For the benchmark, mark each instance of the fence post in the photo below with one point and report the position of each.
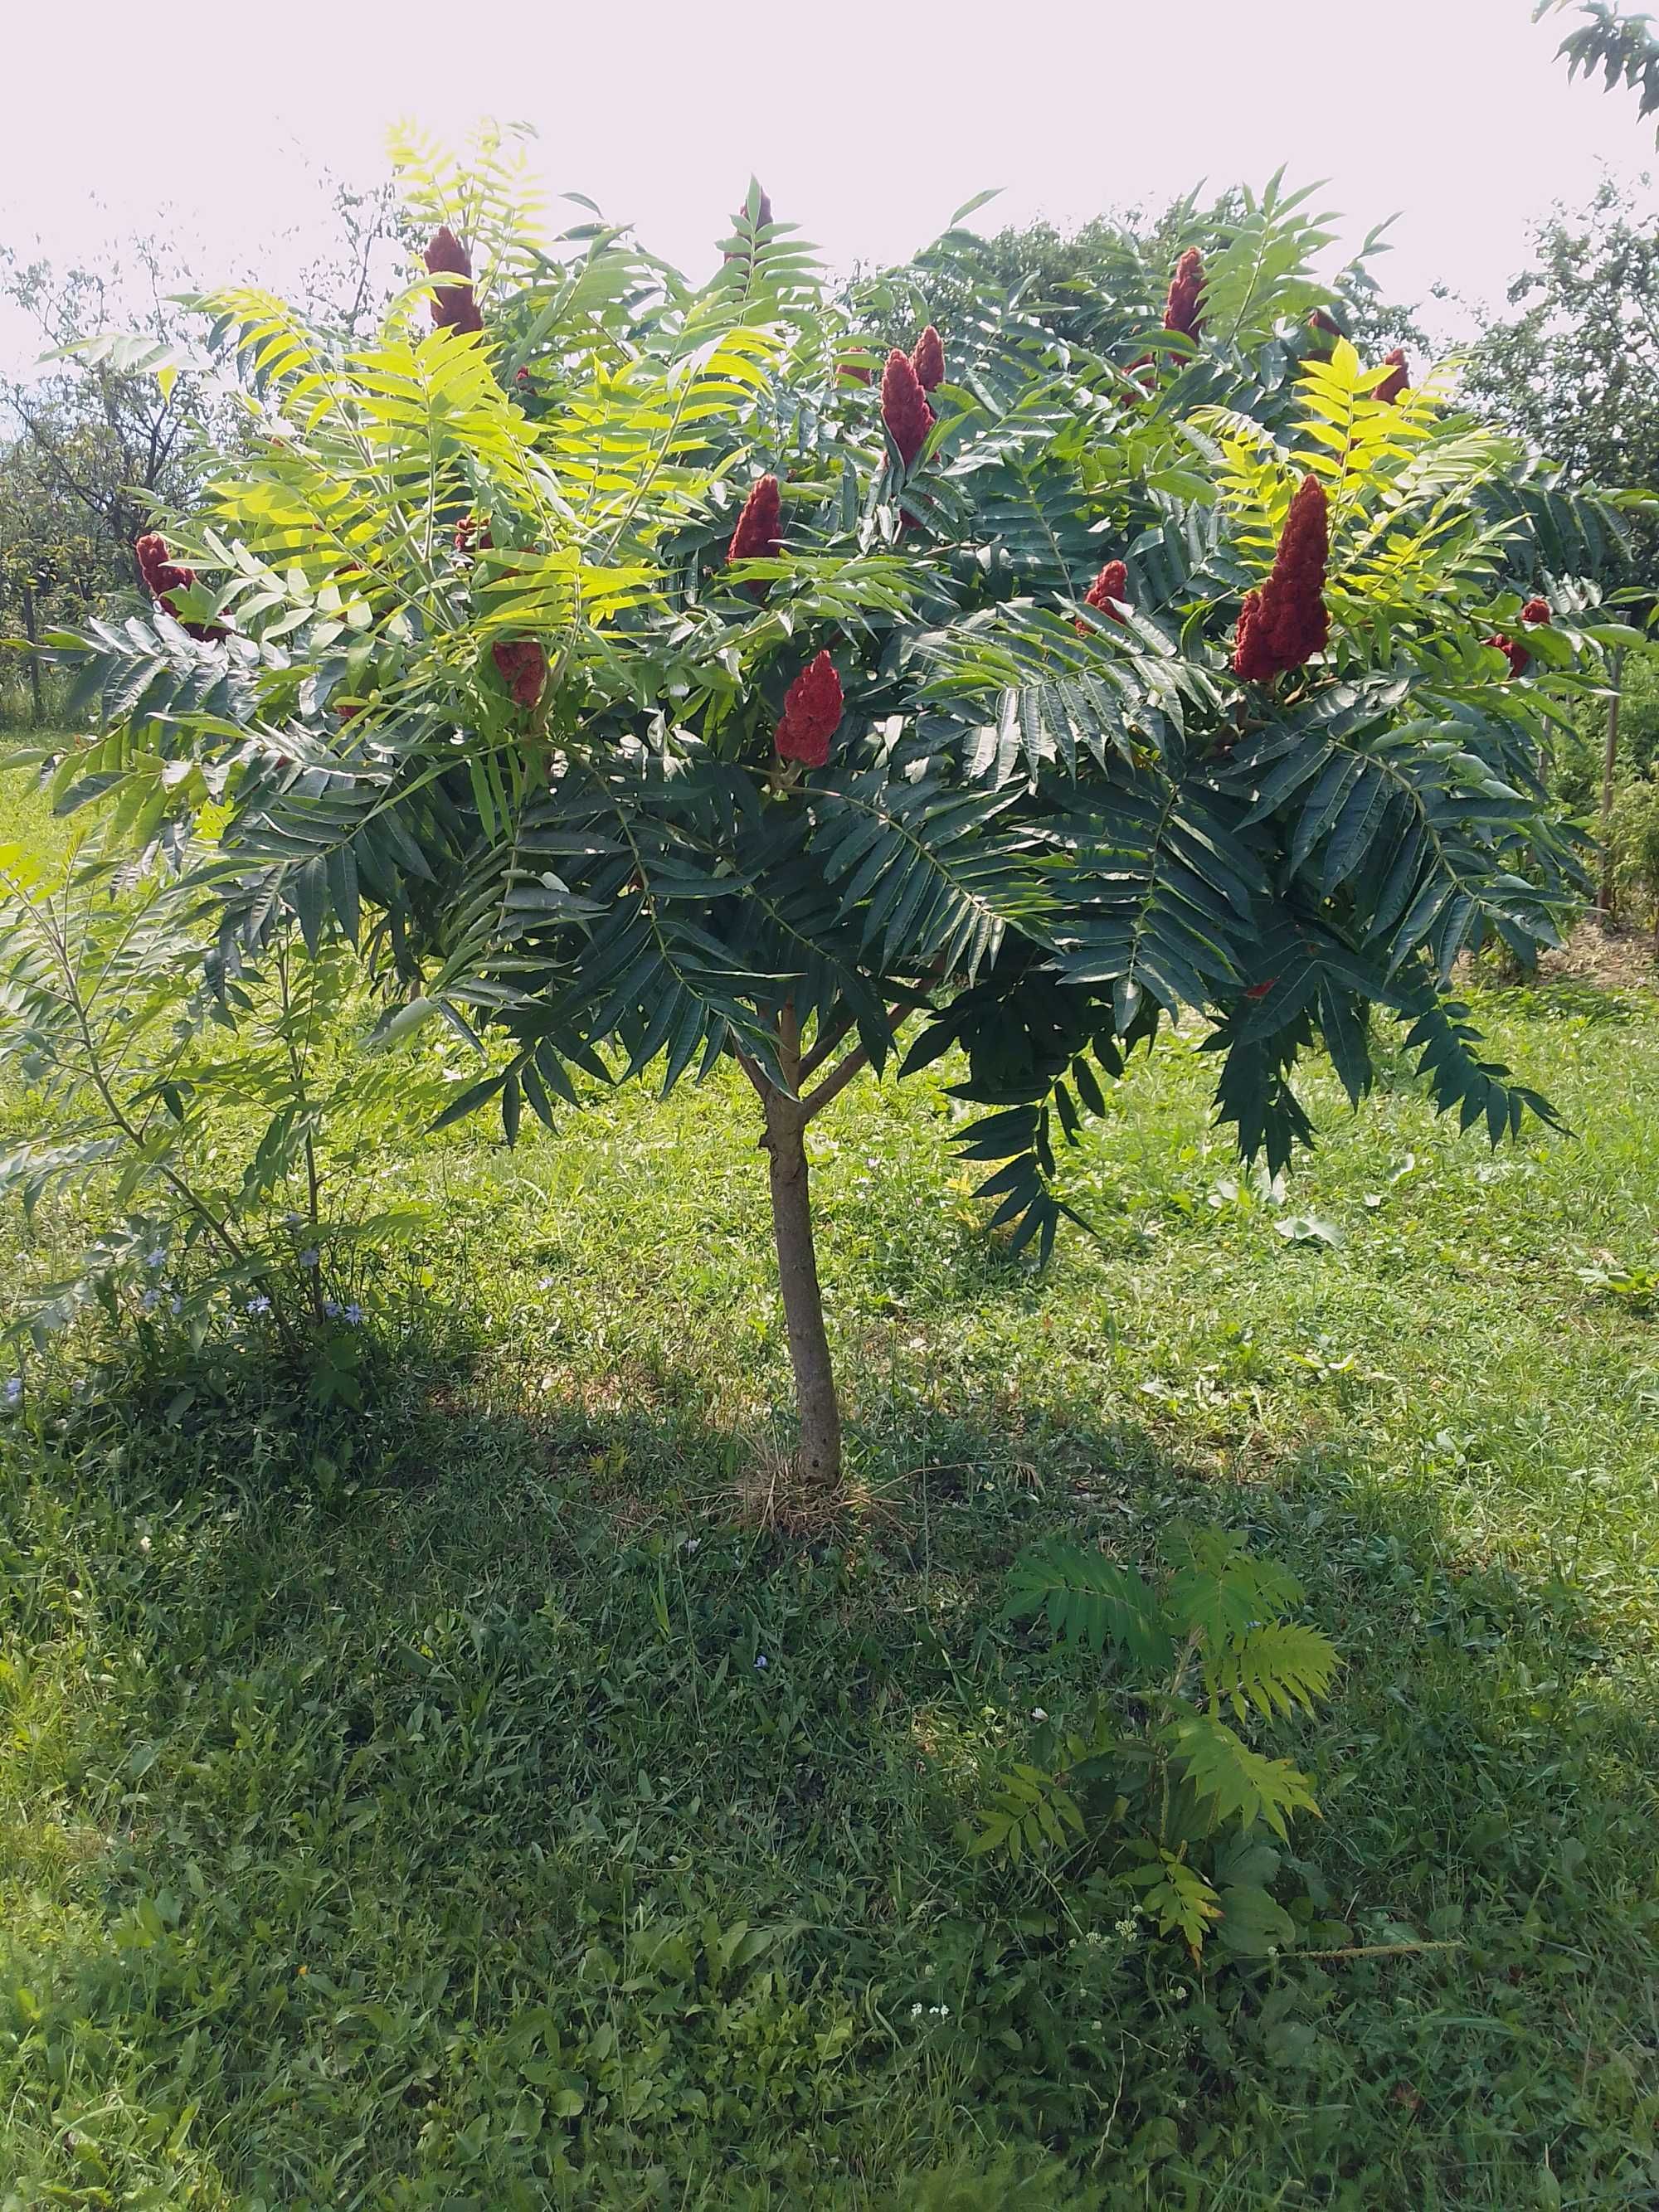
(1609, 764)
(34, 650)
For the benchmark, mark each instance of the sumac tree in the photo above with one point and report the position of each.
(653, 676)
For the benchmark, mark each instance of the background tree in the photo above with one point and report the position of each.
(54, 567)
(96, 434)
(1575, 371)
(1574, 368)
(100, 444)
(648, 677)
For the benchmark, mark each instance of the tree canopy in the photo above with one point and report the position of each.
(647, 673)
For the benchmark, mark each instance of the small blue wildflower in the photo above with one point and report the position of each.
(762, 1662)
(176, 1303)
(331, 1308)
(259, 1305)
(151, 1299)
(311, 1259)
(158, 1258)
(14, 1390)
(354, 1314)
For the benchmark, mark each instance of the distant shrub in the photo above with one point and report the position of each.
(208, 1100)
(1634, 831)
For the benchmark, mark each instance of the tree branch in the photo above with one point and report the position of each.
(837, 1080)
(897, 1017)
(789, 1045)
(752, 1068)
(825, 1045)
(835, 1083)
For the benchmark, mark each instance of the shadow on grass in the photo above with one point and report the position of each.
(1568, 999)
(443, 1801)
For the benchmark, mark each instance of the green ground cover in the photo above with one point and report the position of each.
(395, 1809)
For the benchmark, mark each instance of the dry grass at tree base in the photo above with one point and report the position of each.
(1616, 958)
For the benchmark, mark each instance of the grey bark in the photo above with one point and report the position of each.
(816, 1407)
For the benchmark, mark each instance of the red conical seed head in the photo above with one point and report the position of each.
(162, 578)
(1304, 627)
(1253, 659)
(445, 256)
(455, 306)
(1517, 655)
(1397, 381)
(1183, 310)
(1284, 624)
(928, 359)
(759, 532)
(160, 574)
(1112, 583)
(1326, 331)
(521, 664)
(151, 553)
(1535, 611)
(811, 713)
(904, 406)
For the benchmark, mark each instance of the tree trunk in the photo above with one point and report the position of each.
(803, 1302)
(1609, 764)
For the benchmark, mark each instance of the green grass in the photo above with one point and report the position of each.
(26, 819)
(394, 1813)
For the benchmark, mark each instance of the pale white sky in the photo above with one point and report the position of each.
(867, 123)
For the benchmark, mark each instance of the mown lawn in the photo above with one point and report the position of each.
(394, 1810)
